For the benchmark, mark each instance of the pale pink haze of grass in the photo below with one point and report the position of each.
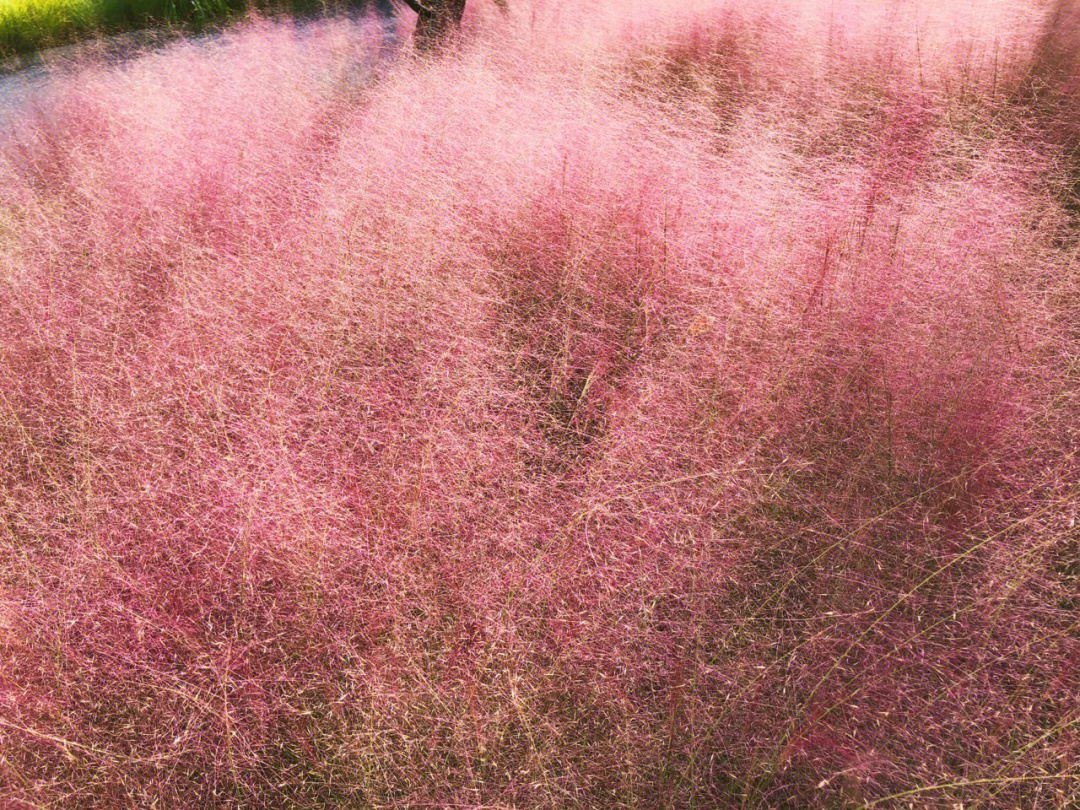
(647, 404)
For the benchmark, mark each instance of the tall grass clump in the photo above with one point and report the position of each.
(670, 405)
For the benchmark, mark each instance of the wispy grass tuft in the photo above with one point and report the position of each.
(636, 406)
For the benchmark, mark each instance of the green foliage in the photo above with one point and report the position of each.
(31, 25)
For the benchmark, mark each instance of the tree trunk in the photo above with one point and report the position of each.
(437, 21)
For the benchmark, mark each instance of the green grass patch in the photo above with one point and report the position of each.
(32, 25)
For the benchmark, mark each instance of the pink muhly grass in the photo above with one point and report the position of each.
(621, 409)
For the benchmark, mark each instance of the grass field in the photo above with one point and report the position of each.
(652, 405)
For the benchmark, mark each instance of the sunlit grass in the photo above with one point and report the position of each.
(27, 24)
